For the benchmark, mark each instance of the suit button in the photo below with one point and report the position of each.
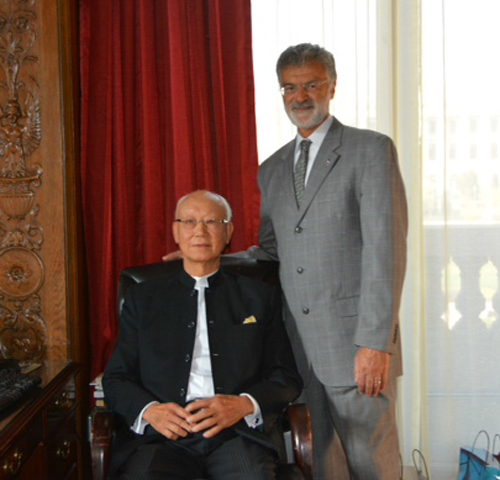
(187, 358)
(182, 392)
(298, 229)
(300, 270)
(305, 310)
(191, 325)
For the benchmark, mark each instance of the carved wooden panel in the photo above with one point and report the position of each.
(33, 313)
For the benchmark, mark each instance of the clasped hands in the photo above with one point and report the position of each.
(208, 415)
(371, 371)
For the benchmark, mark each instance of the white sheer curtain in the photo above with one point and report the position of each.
(461, 172)
(426, 73)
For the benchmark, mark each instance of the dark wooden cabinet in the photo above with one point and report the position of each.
(39, 439)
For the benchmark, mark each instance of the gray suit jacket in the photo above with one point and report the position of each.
(342, 254)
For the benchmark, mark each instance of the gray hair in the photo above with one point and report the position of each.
(303, 54)
(215, 197)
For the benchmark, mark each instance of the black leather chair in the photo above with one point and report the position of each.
(296, 418)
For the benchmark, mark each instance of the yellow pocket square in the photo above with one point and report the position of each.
(249, 320)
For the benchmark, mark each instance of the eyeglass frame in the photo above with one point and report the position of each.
(211, 223)
(308, 87)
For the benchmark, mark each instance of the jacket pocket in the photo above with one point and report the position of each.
(347, 306)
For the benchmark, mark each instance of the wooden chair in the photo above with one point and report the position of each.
(296, 418)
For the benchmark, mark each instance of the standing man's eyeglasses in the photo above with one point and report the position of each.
(311, 87)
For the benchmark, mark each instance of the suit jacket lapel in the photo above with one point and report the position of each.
(326, 159)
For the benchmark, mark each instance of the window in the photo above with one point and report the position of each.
(416, 73)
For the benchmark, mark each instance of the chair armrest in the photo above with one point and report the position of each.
(299, 421)
(101, 432)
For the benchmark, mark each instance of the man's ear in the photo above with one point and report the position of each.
(175, 231)
(333, 87)
(229, 232)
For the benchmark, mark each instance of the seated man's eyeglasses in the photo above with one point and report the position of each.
(291, 89)
(211, 224)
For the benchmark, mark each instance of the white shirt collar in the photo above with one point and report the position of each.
(316, 138)
(202, 281)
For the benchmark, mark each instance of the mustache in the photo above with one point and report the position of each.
(307, 104)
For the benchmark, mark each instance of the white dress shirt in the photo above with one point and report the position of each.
(201, 383)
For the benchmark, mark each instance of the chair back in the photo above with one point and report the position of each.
(298, 417)
(264, 270)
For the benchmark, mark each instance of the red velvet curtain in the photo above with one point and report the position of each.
(167, 108)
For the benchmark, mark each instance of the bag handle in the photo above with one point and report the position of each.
(495, 453)
(487, 444)
(422, 461)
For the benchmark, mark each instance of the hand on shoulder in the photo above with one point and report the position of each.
(172, 256)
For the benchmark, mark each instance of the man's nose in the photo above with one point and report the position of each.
(301, 95)
(200, 226)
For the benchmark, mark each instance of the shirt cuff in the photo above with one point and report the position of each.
(140, 424)
(254, 419)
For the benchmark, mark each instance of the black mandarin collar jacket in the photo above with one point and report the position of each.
(250, 350)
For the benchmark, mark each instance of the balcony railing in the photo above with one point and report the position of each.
(462, 317)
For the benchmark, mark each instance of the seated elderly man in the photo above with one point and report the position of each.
(202, 364)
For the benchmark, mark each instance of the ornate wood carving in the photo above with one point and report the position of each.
(23, 332)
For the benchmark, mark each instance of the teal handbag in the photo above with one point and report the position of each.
(479, 463)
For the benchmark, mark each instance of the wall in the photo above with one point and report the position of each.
(38, 221)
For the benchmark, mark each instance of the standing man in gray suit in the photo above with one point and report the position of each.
(334, 214)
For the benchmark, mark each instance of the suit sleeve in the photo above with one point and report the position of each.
(268, 246)
(267, 249)
(383, 220)
(123, 390)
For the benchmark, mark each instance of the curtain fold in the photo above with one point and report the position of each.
(167, 108)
